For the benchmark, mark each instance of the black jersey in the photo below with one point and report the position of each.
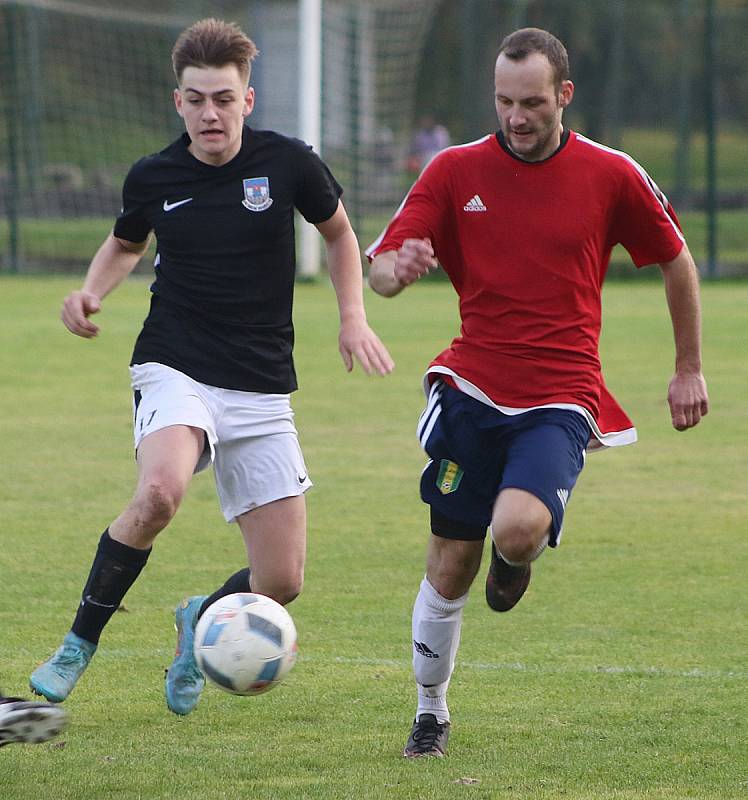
(225, 265)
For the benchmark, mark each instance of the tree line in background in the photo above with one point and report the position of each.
(658, 78)
(635, 63)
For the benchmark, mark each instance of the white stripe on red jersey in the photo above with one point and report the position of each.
(529, 268)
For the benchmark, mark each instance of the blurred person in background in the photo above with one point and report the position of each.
(429, 139)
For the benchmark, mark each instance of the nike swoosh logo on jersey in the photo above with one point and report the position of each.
(171, 206)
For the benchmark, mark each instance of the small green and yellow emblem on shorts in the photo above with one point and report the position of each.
(450, 475)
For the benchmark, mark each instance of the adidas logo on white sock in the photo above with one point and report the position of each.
(474, 204)
(424, 650)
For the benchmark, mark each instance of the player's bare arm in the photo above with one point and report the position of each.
(687, 393)
(356, 340)
(393, 270)
(113, 262)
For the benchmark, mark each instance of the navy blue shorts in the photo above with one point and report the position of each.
(476, 451)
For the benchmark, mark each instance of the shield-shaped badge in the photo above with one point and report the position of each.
(449, 477)
(257, 194)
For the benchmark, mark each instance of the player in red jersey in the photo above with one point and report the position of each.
(523, 222)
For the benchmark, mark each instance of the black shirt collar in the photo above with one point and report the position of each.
(565, 133)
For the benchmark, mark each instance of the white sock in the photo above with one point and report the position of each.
(536, 554)
(436, 637)
(542, 544)
(433, 700)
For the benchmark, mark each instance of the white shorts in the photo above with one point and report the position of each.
(249, 436)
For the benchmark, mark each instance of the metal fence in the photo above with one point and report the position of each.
(87, 89)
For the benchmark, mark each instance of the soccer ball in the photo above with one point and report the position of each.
(245, 643)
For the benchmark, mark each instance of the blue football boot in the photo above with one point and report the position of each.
(56, 678)
(184, 681)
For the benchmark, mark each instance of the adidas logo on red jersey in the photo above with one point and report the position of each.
(474, 204)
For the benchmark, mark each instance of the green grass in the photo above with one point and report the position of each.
(656, 150)
(64, 244)
(732, 235)
(620, 676)
(53, 244)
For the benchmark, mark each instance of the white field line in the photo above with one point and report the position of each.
(550, 669)
(650, 671)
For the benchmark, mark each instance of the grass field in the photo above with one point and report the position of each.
(56, 245)
(59, 245)
(621, 675)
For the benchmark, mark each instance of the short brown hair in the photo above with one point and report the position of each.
(213, 43)
(518, 45)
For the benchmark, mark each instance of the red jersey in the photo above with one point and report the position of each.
(526, 246)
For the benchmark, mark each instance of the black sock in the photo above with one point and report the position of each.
(238, 582)
(113, 572)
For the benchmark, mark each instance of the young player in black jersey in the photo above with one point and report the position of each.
(212, 368)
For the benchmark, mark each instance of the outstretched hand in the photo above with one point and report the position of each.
(76, 310)
(358, 341)
(688, 400)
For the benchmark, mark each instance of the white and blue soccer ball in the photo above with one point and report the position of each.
(245, 643)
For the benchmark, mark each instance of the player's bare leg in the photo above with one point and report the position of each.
(452, 564)
(520, 530)
(166, 461)
(275, 538)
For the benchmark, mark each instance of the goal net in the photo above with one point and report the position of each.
(87, 90)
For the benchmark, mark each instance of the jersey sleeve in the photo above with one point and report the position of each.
(421, 214)
(645, 222)
(132, 224)
(318, 192)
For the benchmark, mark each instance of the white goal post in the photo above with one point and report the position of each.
(358, 70)
(310, 120)
(87, 87)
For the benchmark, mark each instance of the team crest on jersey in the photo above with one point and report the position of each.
(257, 194)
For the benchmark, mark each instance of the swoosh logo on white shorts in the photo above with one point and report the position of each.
(171, 206)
